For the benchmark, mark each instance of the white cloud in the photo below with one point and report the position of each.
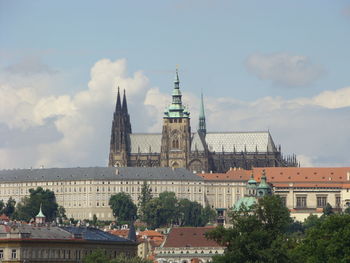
(39, 128)
(83, 119)
(283, 69)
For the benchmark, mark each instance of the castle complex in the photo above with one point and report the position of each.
(178, 146)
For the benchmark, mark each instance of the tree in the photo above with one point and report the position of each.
(9, 208)
(2, 205)
(208, 215)
(256, 235)
(328, 241)
(328, 210)
(94, 220)
(161, 211)
(347, 210)
(123, 207)
(29, 207)
(144, 198)
(97, 256)
(191, 214)
(61, 214)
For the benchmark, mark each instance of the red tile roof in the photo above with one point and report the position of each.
(120, 232)
(231, 175)
(189, 237)
(305, 177)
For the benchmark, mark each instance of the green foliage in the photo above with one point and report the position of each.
(123, 207)
(61, 214)
(144, 198)
(311, 221)
(2, 205)
(94, 220)
(258, 235)
(327, 241)
(162, 210)
(328, 210)
(99, 256)
(29, 207)
(208, 215)
(9, 208)
(347, 210)
(166, 210)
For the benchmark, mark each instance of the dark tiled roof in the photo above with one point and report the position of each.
(189, 237)
(93, 234)
(97, 173)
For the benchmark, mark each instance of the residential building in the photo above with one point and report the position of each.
(186, 245)
(34, 243)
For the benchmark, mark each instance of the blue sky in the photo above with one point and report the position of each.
(242, 50)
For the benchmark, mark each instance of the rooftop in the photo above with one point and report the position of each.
(97, 173)
(189, 237)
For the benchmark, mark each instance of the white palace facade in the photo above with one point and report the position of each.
(84, 192)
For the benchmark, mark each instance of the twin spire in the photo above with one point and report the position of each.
(121, 107)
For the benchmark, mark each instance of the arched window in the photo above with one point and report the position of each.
(175, 144)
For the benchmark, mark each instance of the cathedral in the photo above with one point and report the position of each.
(178, 146)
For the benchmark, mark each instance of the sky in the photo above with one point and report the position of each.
(281, 66)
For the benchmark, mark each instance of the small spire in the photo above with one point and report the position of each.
(177, 80)
(202, 123)
(124, 105)
(118, 105)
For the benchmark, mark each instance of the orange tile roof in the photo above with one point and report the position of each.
(120, 232)
(189, 237)
(151, 233)
(231, 175)
(301, 174)
(336, 177)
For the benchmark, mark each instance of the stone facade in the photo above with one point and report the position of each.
(26, 243)
(178, 146)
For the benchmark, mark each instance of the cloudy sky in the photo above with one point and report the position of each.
(282, 66)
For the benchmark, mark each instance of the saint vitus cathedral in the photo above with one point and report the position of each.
(177, 146)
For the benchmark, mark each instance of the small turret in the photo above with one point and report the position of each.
(40, 217)
(263, 187)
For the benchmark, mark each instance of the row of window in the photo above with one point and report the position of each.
(301, 201)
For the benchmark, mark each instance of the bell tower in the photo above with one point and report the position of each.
(176, 133)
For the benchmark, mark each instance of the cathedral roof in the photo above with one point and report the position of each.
(145, 142)
(240, 141)
(196, 143)
(97, 173)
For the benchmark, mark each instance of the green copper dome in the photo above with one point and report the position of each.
(246, 202)
(176, 109)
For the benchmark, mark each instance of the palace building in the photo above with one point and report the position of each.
(178, 146)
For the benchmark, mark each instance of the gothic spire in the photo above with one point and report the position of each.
(124, 105)
(176, 109)
(202, 124)
(118, 105)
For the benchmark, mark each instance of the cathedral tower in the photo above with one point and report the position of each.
(121, 129)
(176, 134)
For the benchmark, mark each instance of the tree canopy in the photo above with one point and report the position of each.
(256, 235)
(123, 207)
(167, 210)
(29, 207)
(8, 208)
(327, 241)
(144, 198)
